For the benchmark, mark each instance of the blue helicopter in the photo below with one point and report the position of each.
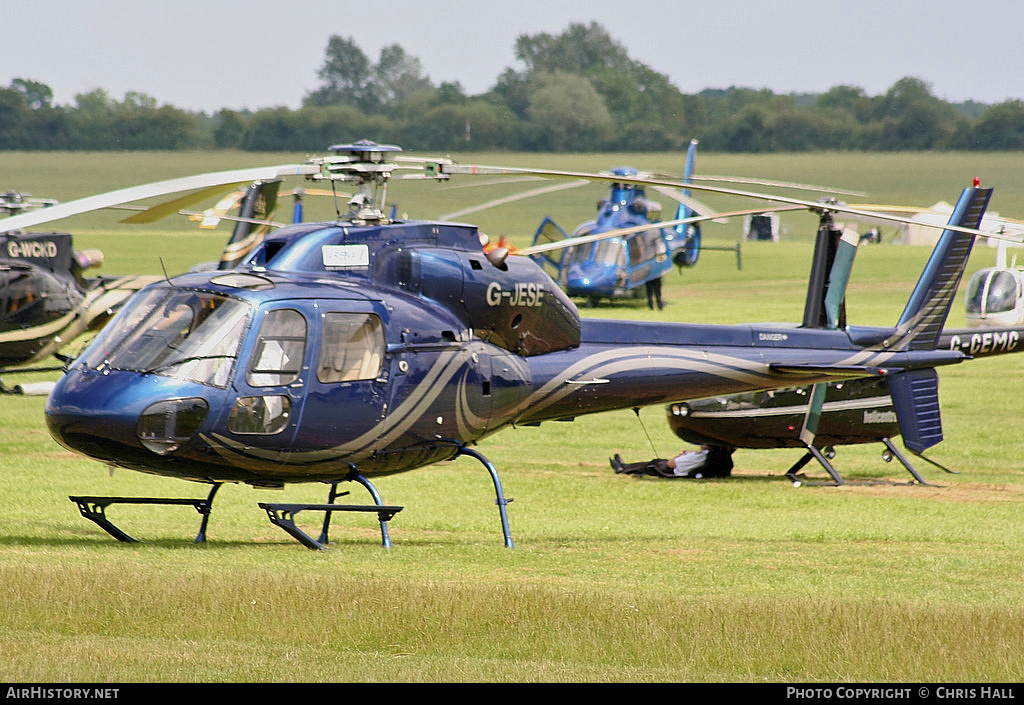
(627, 249)
(367, 346)
(613, 267)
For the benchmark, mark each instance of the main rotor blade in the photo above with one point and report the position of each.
(780, 184)
(515, 197)
(1008, 230)
(815, 206)
(224, 179)
(620, 232)
(200, 216)
(174, 206)
(690, 203)
(492, 182)
(839, 276)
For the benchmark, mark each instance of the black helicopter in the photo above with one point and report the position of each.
(366, 346)
(849, 412)
(47, 299)
(852, 412)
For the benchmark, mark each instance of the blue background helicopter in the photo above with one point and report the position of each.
(627, 249)
(366, 346)
(614, 267)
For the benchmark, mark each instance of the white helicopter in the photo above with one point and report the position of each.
(995, 295)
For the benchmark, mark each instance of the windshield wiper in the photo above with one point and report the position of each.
(182, 361)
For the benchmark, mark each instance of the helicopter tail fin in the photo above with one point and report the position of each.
(688, 235)
(252, 224)
(691, 158)
(684, 210)
(925, 314)
(915, 393)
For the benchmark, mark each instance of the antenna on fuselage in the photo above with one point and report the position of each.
(164, 267)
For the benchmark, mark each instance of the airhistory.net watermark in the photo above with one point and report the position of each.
(56, 693)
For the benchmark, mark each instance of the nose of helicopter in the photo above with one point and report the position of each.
(121, 418)
(590, 280)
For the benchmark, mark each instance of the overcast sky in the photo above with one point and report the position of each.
(213, 54)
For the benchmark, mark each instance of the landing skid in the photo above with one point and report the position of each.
(21, 388)
(94, 509)
(837, 479)
(283, 515)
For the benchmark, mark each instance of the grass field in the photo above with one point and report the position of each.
(612, 578)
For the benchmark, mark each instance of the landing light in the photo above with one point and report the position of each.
(166, 425)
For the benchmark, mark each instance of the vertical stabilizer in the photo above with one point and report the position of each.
(691, 160)
(915, 397)
(915, 393)
(926, 312)
(688, 234)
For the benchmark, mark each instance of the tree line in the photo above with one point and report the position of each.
(578, 91)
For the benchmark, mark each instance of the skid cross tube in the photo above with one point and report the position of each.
(283, 515)
(94, 509)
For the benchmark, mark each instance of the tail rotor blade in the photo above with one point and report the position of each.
(813, 415)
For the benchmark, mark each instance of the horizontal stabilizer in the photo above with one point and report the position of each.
(915, 396)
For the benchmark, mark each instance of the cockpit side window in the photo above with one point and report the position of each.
(20, 294)
(351, 348)
(280, 348)
(1002, 292)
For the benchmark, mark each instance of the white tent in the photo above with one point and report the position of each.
(939, 215)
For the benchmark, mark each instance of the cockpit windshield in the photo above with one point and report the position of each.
(991, 291)
(608, 252)
(180, 333)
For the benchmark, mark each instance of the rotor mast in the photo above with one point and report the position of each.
(370, 166)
